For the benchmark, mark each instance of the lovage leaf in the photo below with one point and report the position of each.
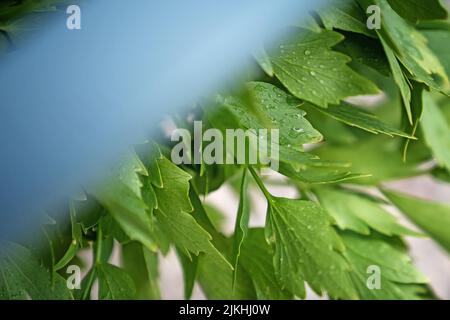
(173, 212)
(415, 10)
(357, 117)
(114, 283)
(308, 22)
(241, 225)
(190, 267)
(438, 41)
(369, 255)
(399, 78)
(256, 259)
(416, 110)
(320, 173)
(311, 71)
(345, 15)
(264, 61)
(210, 266)
(410, 47)
(129, 210)
(142, 266)
(377, 157)
(281, 109)
(365, 50)
(436, 131)
(122, 196)
(432, 217)
(22, 274)
(305, 247)
(355, 212)
(129, 170)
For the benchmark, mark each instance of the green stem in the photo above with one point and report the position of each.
(90, 281)
(98, 244)
(97, 260)
(260, 184)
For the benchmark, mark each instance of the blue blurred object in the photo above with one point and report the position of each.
(72, 100)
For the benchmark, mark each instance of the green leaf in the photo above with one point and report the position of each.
(256, 259)
(441, 174)
(305, 247)
(216, 279)
(399, 78)
(142, 265)
(114, 283)
(190, 267)
(308, 22)
(121, 195)
(410, 47)
(21, 29)
(436, 131)
(22, 275)
(415, 10)
(87, 213)
(149, 153)
(216, 215)
(358, 213)
(306, 167)
(377, 157)
(311, 71)
(130, 212)
(264, 61)
(360, 118)
(281, 109)
(12, 9)
(129, 170)
(345, 15)
(210, 266)
(432, 217)
(334, 132)
(173, 213)
(416, 113)
(438, 42)
(366, 51)
(68, 256)
(241, 225)
(397, 275)
(323, 172)
(304, 243)
(77, 238)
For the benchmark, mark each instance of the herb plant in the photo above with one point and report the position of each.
(335, 152)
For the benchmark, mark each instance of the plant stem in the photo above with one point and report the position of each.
(90, 281)
(260, 184)
(97, 260)
(98, 244)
